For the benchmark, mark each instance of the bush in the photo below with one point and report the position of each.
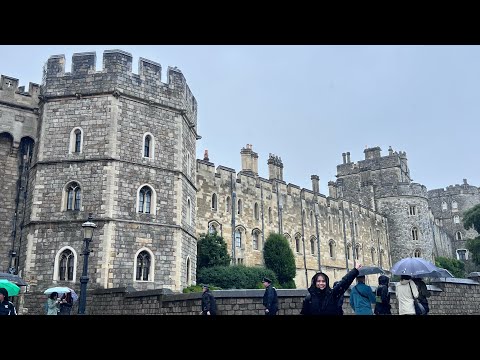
(198, 288)
(456, 267)
(212, 251)
(235, 277)
(279, 257)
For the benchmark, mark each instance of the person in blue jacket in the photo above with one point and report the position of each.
(362, 298)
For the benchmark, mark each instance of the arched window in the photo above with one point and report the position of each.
(414, 233)
(458, 235)
(371, 234)
(255, 240)
(143, 266)
(444, 205)
(356, 229)
(269, 215)
(145, 200)
(312, 246)
(238, 238)
(289, 239)
(214, 202)
(454, 205)
(311, 218)
(74, 196)
(357, 252)
(228, 204)
(372, 251)
(255, 211)
(417, 253)
(189, 213)
(331, 248)
(76, 141)
(148, 146)
(66, 265)
(239, 207)
(456, 219)
(297, 243)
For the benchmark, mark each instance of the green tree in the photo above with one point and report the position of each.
(471, 219)
(212, 251)
(456, 267)
(279, 257)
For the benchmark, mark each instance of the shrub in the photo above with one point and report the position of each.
(279, 257)
(212, 251)
(235, 277)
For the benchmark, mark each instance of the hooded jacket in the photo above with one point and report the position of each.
(382, 305)
(325, 302)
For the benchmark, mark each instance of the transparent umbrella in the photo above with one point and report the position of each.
(413, 267)
(440, 273)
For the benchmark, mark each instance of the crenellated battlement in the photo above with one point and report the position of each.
(11, 92)
(117, 76)
(456, 189)
(401, 189)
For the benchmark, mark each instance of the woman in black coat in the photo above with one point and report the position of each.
(323, 300)
(382, 306)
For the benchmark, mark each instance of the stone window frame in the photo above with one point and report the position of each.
(454, 205)
(269, 214)
(458, 235)
(412, 210)
(189, 165)
(311, 218)
(256, 211)
(415, 233)
(417, 253)
(151, 270)
(289, 239)
(214, 202)
(188, 271)
(153, 200)
(373, 251)
(215, 225)
(228, 204)
(456, 219)
(151, 146)
(298, 239)
(256, 233)
(240, 229)
(56, 266)
(332, 245)
(358, 251)
(349, 249)
(464, 251)
(444, 205)
(73, 139)
(239, 206)
(65, 191)
(313, 242)
(189, 211)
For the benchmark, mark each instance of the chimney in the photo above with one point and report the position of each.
(315, 183)
(275, 167)
(246, 154)
(390, 151)
(205, 155)
(344, 159)
(255, 163)
(348, 157)
(332, 189)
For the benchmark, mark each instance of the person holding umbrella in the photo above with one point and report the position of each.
(53, 304)
(423, 293)
(406, 291)
(66, 303)
(6, 307)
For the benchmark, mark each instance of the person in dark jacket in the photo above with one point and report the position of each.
(66, 303)
(382, 298)
(6, 307)
(209, 305)
(340, 301)
(321, 298)
(423, 293)
(270, 299)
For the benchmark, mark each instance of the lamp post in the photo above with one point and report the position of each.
(88, 228)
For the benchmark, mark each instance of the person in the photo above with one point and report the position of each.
(404, 290)
(66, 303)
(362, 298)
(6, 307)
(340, 301)
(53, 304)
(270, 298)
(423, 293)
(321, 298)
(382, 303)
(209, 305)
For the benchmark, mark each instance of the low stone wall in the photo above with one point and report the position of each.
(449, 297)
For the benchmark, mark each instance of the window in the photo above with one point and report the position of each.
(145, 200)
(269, 215)
(188, 268)
(76, 141)
(212, 229)
(312, 246)
(238, 238)
(255, 211)
(239, 209)
(454, 205)
(311, 218)
(228, 204)
(462, 254)
(356, 229)
(458, 235)
(143, 266)
(339, 225)
(74, 195)
(148, 146)
(373, 255)
(444, 205)
(255, 240)
(189, 213)
(297, 243)
(214, 202)
(456, 219)
(414, 233)
(417, 253)
(349, 252)
(331, 248)
(357, 252)
(239, 261)
(412, 210)
(66, 265)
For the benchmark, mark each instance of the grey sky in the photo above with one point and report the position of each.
(308, 104)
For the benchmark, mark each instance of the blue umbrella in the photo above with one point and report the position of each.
(413, 267)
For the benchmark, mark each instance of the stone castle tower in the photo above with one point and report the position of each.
(383, 183)
(116, 144)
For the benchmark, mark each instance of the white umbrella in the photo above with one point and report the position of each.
(62, 290)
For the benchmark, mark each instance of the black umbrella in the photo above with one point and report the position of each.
(440, 273)
(13, 278)
(369, 270)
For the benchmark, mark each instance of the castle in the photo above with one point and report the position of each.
(122, 146)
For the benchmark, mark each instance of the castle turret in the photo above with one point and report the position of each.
(275, 167)
(372, 153)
